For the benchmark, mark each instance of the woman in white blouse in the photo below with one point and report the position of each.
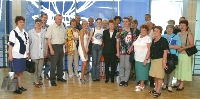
(142, 54)
(18, 51)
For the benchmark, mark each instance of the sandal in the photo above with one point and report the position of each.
(37, 85)
(104, 77)
(155, 95)
(176, 86)
(152, 91)
(179, 89)
(40, 83)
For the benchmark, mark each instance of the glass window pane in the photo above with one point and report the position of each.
(135, 8)
(164, 10)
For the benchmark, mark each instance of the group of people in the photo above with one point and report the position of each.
(146, 46)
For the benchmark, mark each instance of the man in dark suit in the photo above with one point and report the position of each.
(109, 51)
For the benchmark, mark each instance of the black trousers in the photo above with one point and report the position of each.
(110, 61)
(56, 62)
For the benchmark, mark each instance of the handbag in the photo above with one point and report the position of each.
(172, 61)
(192, 50)
(9, 83)
(30, 66)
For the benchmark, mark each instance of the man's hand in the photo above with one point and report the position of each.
(52, 52)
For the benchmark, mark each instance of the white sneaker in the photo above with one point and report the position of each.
(137, 86)
(139, 89)
(70, 76)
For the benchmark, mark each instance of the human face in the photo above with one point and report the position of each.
(73, 24)
(44, 19)
(150, 25)
(20, 24)
(58, 20)
(143, 32)
(183, 27)
(38, 25)
(134, 25)
(126, 22)
(111, 26)
(104, 24)
(98, 23)
(117, 21)
(147, 18)
(85, 25)
(78, 19)
(156, 32)
(169, 31)
(91, 22)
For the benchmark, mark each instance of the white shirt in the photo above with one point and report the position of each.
(16, 47)
(140, 48)
(97, 37)
(111, 33)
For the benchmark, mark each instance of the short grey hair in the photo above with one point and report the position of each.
(170, 26)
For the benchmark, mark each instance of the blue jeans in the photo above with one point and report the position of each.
(47, 69)
(96, 55)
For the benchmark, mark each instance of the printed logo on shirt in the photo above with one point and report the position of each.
(98, 36)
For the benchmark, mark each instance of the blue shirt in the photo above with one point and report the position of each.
(178, 42)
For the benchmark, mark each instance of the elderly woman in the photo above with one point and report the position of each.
(38, 49)
(72, 48)
(158, 53)
(174, 44)
(142, 56)
(83, 48)
(105, 24)
(18, 51)
(183, 71)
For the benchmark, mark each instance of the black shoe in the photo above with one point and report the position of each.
(106, 81)
(97, 79)
(121, 83)
(112, 81)
(62, 80)
(17, 91)
(22, 89)
(152, 91)
(94, 80)
(53, 83)
(125, 84)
